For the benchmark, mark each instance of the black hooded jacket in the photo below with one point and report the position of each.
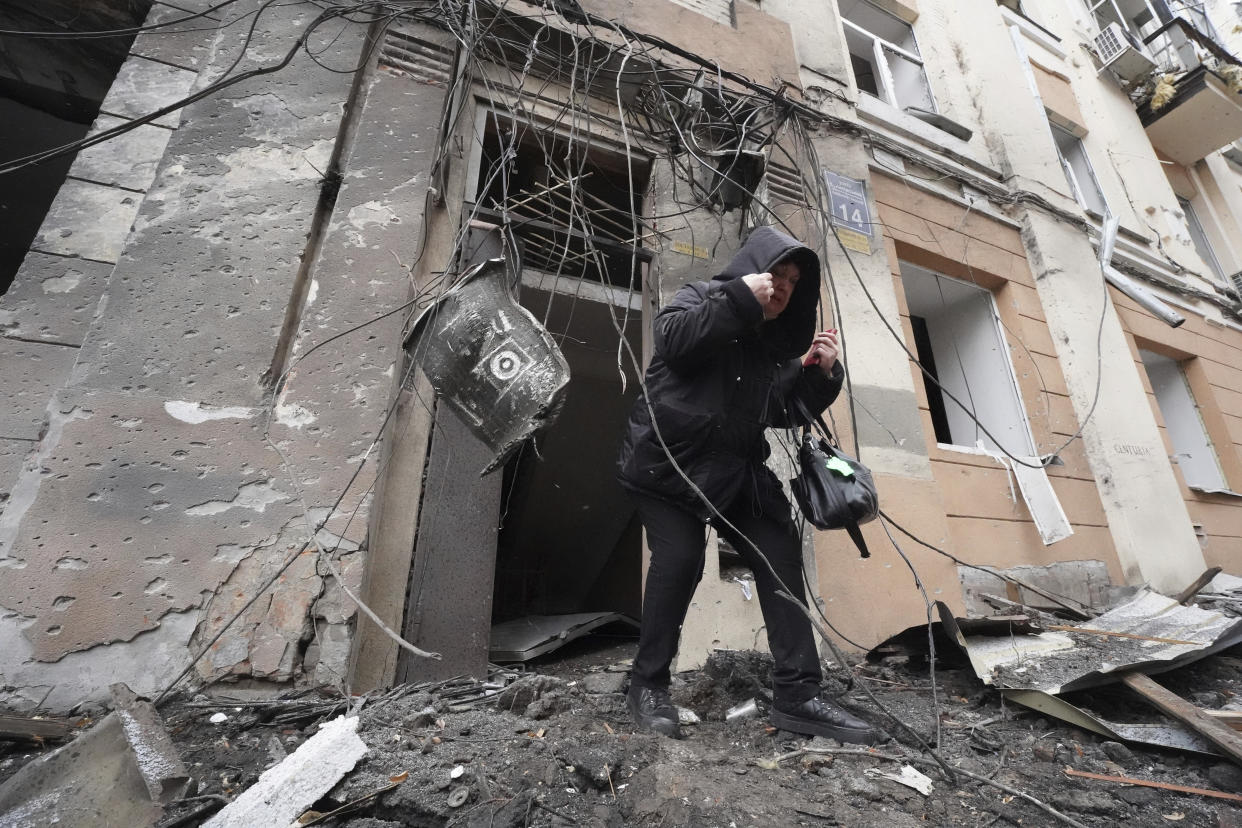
(719, 377)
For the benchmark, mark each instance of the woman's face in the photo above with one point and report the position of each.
(785, 276)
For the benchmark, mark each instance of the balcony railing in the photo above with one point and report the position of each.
(1192, 103)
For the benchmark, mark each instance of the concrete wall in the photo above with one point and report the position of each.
(155, 493)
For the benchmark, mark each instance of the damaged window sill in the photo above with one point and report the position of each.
(1227, 492)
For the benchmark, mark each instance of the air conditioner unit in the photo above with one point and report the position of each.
(1123, 53)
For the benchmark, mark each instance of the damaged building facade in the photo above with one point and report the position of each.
(216, 437)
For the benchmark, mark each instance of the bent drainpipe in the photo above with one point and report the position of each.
(1144, 297)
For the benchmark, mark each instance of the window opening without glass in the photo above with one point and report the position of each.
(885, 57)
(958, 339)
(568, 202)
(1192, 447)
(1078, 172)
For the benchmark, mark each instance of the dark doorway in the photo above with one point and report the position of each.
(569, 538)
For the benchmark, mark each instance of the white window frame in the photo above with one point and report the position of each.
(972, 362)
(1192, 445)
(884, 74)
(1074, 162)
(1199, 237)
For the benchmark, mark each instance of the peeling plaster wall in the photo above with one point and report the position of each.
(150, 496)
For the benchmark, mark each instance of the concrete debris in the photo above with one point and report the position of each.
(161, 767)
(284, 791)
(218, 718)
(119, 772)
(489, 357)
(93, 780)
(908, 776)
(745, 710)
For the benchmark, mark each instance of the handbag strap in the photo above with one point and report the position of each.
(856, 536)
(813, 419)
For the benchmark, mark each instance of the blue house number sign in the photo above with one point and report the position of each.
(848, 198)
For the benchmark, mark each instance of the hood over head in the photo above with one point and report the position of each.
(791, 332)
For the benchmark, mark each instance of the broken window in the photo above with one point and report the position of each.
(1192, 447)
(885, 57)
(958, 339)
(570, 203)
(1078, 171)
(1202, 246)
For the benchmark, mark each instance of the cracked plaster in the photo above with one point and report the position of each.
(53, 298)
(88, 220)
(115, 515)
(145, 86)
(145, 664)
(196, 303)
(128, 160)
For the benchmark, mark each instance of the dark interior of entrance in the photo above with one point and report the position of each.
(569, 538)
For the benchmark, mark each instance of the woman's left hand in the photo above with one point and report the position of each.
(824, 351)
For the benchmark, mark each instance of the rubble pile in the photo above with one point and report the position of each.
(552, 744)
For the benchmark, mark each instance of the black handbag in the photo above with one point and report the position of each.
(833, 490)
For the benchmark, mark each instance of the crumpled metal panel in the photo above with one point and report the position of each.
(491, 360)
(1056, 662)
(1173, 735)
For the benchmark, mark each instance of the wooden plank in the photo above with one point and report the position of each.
(1067, 628)
(1199, 583)
(1232, 718)
(1186, 713)
(1148, 783)
(22, 729)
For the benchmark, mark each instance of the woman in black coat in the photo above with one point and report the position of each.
(728, 363)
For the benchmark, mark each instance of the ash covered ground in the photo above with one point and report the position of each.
(556, 747)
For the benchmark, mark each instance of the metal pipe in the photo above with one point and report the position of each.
(1145, 298)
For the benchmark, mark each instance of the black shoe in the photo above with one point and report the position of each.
(820, 717)
(653, 710)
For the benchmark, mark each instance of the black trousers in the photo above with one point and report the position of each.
(677, 540)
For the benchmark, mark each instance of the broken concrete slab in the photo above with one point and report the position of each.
(157, 759)
(93, 780)
(284, 791)
(53, 298)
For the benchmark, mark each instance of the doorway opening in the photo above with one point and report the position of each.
(569, 543)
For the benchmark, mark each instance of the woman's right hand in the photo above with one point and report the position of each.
(760, 285)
